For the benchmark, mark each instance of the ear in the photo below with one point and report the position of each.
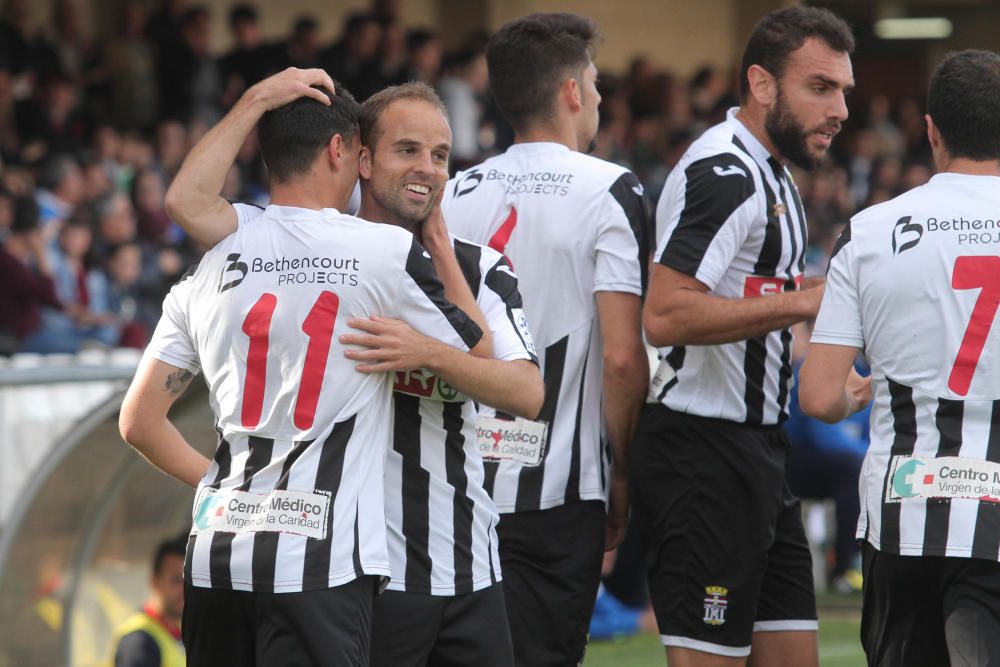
(763, 87)
(571, 94)
(933, 133)
(335, 151)
(365, 163)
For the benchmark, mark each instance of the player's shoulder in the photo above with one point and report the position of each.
(912, 202)
(475, 178)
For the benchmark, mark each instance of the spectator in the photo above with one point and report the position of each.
(424, 53)
(303, 47)
(190, 85)
(152, 637)
(115, 294)
(128, 69)
(152, 222)
(354, 59)
(61, 189)
(464, 81)
(250, 60)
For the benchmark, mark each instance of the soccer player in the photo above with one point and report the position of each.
(442, 524)
(289, 538)
(574, 227)
(729, 567)
(915, 283)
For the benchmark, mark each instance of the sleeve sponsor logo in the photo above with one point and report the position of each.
(754, 286)
(424, 384)
(522, 329)
(295, 512)
(731, 170)
(915, 478)
(518, 441)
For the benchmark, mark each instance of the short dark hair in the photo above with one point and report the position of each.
(964, 103)
(175, 546)
(26, 215)
(242, 13)
(375, 106)
(293, 135)
(530, 57)
(781, 32)
(55, 169)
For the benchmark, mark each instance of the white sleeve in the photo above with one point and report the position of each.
(422, 304)
(839, 320)
(171, 342)
(500, 301)
(622, 249)
(246, 212)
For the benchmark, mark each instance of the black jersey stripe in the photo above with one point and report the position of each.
(265, 544)
(784, 374)
(469, 256)
(490, 469)
(489, 551)
(329, 473)
(948, 419)
(503, 282)
(755, 371)
(769, 257)
(676, 360)
(529, 485)
(260, 451)
(219, 575)
(420, 268)
(575, 463)
(801, 214)
(986, 539)
(715, 188)
(221, 555)
(415, 492)
(463, 507)
(627, 191)
(359, 571)
(904, 427)
(786, 189)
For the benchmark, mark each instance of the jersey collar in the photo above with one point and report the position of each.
(756, 149)
(536, 147)
(298, 213)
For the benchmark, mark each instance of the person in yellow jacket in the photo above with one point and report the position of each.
(152, 637)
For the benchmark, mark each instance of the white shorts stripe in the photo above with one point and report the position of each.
(785, 626)
(705, 647)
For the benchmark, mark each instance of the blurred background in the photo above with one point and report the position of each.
(100, 101)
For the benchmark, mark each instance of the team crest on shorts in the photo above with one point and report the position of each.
(715, 605)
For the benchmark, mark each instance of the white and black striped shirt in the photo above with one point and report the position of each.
(571, 225)
(731, 217)
(915, 282)
(293, 500)
(442, 523)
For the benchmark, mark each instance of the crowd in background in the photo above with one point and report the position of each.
(91, 134)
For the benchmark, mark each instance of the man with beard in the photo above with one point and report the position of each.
(729, 567)
(574, 227)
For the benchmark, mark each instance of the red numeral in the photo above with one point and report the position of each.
(257, 325)
(318, 326)
(975, 273)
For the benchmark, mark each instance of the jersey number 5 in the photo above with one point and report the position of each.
(981, 273)
(318, 326)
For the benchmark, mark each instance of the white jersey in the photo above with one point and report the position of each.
(293, 500)
(442, 523)
(915, 282)
(571, 225)
(731, 217)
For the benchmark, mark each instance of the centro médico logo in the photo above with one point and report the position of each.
(902, 235)
(906, 476)
(211, 506)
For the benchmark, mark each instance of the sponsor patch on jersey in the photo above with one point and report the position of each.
(522, 329)
(915, 477)
(296, 512)
(769, 285)
(424, 384)
(521, 440)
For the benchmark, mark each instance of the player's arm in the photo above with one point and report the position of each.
(829, 388)
(434, 237)
(680, 311)
(193, 199)
(514, 387)
(144, 424)
(626, 378)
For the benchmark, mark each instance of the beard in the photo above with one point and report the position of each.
(789, 136)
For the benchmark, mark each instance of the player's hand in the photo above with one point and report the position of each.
(617, 520)
(859, 392)
(289, 85)
(391, 345)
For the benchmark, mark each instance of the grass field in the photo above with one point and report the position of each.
(839, 645)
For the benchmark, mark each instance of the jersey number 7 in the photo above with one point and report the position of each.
(318, 326)
(980, 272)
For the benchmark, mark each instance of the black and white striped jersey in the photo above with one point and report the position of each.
(915, 283)
(731, 217)
(571, 225)
(442, 523)
(293, 500)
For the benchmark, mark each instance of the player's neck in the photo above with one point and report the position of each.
(559, 133)
(961, 165)
(753, 119)
(372, 211)
(307, 194)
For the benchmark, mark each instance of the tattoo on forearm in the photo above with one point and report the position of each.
(178, 381)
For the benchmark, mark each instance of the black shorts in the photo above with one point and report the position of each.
(329, 627)
(721, 532)
(929, 611)
(551, 563)
(414, 629)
